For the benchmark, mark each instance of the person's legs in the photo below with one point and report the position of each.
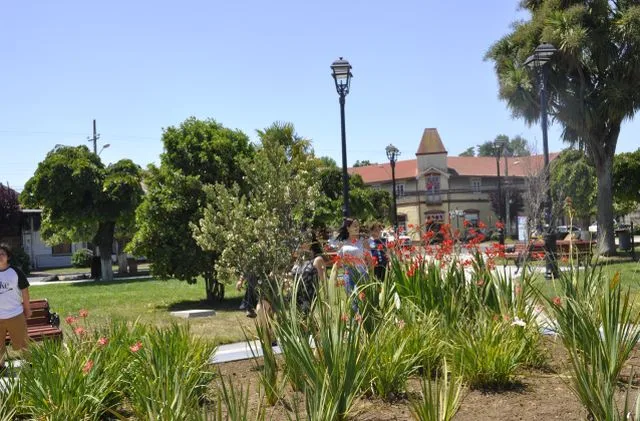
(3, 335)
(17, 328)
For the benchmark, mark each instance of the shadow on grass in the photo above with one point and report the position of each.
(106, 283)
(226, 305)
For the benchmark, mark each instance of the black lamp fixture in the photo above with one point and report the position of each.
(392, 155)
(341, 71)
(539, 62)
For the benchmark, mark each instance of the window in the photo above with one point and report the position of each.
(434, 216)
(399, 190)
(402, 222)
(433, 184)
(61, 249)
(476, 185)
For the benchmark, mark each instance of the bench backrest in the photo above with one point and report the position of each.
(40, 315)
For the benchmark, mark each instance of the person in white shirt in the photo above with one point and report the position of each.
(14, 304)
(352, 254)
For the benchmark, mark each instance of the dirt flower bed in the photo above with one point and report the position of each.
(542, 394)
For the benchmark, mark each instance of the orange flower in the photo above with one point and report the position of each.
(87, 367)
(362, 296)
(80, 331)
(480, 282)
(102, 342)
(344, 317)
(358, 318)
(136, 347)
(482, 225)
(70, 320)
(557, 301)
(500, 225)
(83, 313)
(466, 223)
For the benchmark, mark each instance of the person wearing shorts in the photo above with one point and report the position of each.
(14, 305)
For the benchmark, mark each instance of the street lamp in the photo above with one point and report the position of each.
(499, 146)
(538, 61)
(105, 146)
(342, 75)
(392, 154)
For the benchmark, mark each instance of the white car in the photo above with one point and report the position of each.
(594, 227)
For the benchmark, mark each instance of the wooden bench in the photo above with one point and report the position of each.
(578, 249)
(42, 324)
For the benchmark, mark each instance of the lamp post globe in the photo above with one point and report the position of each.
(392, 155)
(341, 72)
(539, 62)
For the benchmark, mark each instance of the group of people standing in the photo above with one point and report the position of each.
(355, 254)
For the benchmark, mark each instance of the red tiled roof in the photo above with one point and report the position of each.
(462, 165)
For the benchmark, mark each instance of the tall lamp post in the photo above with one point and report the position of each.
(499, 146)
(538, 61)
(392, 154)
(341, 70)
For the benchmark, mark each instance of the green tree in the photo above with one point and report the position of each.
(593, 79)
(363, 163)
(510, 147)
(255, 234)
(471, 151)
(367, 203)
(196, 153)
(81, 199)
(9, 212)
(572, 175)
(626, 182)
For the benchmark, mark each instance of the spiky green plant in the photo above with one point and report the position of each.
(440, 397)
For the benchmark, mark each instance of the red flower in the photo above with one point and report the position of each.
(70, 320)
(564, 259)
(482, 225)
(500, 225)
(80, 331)
(480, 282)
(411, 226)
(358, 318)
(557, 301)
(354, 240)
(83, 313)
(136, 347)
(102, 342)
(87, 367)
(380, 247)
(466, 223)
(362, 296)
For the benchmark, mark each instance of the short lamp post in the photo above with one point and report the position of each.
(499, 147)
(341, 71)
(538, 61)
(392, 154)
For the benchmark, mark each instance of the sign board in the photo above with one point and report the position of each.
(523, 231)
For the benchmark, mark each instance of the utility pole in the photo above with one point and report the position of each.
(95, 138)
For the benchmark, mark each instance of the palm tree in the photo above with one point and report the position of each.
(593, 78)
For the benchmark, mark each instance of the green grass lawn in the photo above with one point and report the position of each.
(148, 301)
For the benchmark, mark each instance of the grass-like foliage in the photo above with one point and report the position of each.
(440, 397)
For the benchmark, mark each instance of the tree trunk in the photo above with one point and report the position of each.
(604, 172)
(104, 240)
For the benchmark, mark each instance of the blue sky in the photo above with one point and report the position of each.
(139, 66)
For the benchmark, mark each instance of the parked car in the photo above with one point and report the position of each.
(594, 227)
(565, 229)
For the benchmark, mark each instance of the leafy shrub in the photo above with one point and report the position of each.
(81, 258)
(488, 352)
(393, 360)
(21, 260)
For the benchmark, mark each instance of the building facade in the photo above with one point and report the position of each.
(447, 188)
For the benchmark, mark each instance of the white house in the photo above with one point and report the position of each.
(43, 256)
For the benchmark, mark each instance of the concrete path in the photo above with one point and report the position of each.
(38, 280)
(238, 351)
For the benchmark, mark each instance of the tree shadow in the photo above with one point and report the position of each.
(95, 283)
(228, 304)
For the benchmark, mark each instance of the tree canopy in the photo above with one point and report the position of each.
(470, 151)
(9, 211)
(626, 182)
(82, 200)
(592, 79)
(516, 146)
(256, 234)
(196, 153)
(572, 175)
